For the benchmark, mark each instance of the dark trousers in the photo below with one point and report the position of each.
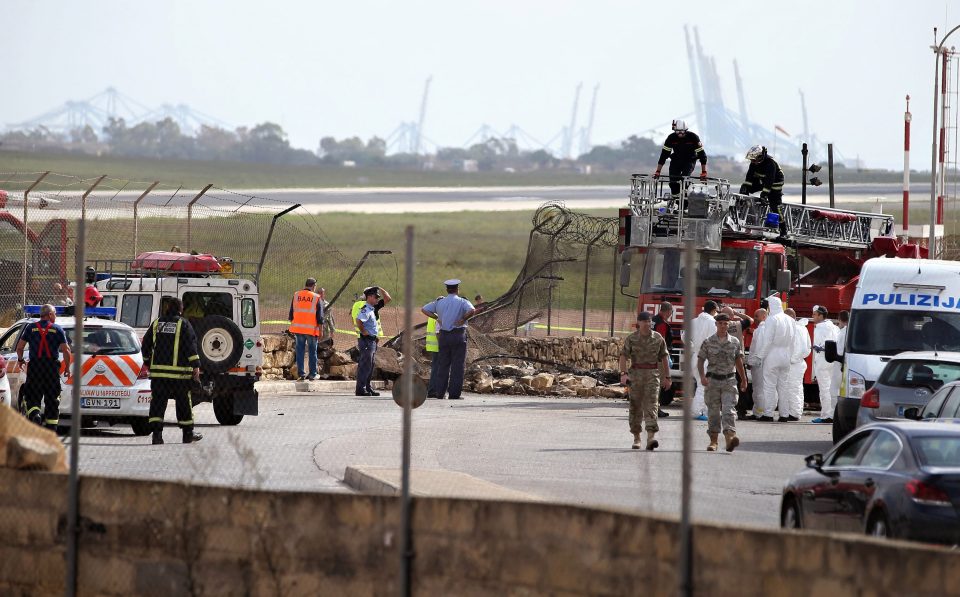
(432, 385)
(450, 361)
(177, 390)
(368, 349)
(677, 171)
(43, 387)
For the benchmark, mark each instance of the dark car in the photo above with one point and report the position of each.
(944, 404)
(891, 479)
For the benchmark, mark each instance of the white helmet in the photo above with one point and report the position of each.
(680, 125)
(756, 152)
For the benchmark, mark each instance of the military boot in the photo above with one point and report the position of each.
(714, 442)
(636, 441)
(189, 436)
(732, 440)
(652, 444)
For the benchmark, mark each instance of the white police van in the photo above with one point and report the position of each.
(899, 305)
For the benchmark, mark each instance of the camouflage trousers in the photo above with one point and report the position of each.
(721, 397)
(644, 400)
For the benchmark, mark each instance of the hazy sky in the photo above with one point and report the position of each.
(358, 67)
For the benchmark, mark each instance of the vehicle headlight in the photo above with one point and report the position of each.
(856, 385)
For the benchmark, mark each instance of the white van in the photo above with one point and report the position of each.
(899, 305)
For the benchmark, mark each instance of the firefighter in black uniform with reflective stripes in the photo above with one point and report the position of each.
(684, 149)
(764, 175)
(171, 359)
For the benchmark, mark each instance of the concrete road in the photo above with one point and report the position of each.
(569, 450)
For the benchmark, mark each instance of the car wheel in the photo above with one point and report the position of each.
(790, 516)
(879, 526)
(141, 426)
(219, 342)
(223, 410)
(840, 428)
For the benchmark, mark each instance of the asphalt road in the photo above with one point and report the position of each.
(568, 450)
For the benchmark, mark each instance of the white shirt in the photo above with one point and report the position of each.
(702, 327)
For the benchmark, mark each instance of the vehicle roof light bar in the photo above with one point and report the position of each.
(110, 312)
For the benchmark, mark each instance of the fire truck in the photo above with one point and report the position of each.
(742, 257)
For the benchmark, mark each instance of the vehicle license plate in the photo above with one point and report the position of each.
(99, 402)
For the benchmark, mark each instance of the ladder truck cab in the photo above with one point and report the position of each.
(741, 257)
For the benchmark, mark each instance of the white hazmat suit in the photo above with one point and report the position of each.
(791, 401)
(826, 374)
(776, 355)
(756, 368)
(702, 327)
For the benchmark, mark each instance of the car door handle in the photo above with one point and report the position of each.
(869, 483)
(809, 495)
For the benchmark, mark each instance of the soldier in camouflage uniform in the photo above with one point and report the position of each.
(649, 370)
(725, 354)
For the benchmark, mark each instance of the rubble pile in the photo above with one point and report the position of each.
(524, 379)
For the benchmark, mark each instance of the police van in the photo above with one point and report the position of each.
(222, 302)
(899, 305)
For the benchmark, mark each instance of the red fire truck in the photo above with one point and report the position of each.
(740, 253)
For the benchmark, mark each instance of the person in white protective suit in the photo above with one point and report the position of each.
(791, 401)
(702, 327)
(826, 374)
(775, 354)
(756, 365)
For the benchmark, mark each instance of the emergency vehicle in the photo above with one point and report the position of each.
(113, 389)
(741, 257)
(900, 305)
(221, 300)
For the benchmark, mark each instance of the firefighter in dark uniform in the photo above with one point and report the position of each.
(684, 149)
(766, 177)
(46, 340)
(171, 360)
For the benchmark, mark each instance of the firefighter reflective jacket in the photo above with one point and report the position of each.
(766, 177)
(304, 312)
(433, 345)
(170, 348)
(683, 150)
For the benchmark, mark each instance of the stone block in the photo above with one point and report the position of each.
(284, 358)
(24, 445)
(541, 381)
(502, 385)
(348, 371)
(587, 382)
(483, 387)
(388, 361)
(613, 392)
(526, 380)
(340, 358)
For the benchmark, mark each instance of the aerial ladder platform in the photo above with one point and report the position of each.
(712, 213)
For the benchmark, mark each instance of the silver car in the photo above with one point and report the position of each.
(908, 380)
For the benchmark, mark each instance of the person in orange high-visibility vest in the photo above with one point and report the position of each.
(306, 321)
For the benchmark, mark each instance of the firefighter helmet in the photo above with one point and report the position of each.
(756, 152)
(680, 126)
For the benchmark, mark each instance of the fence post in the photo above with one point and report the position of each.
(686, 495)
(190, 216)
(586, 281)
(136, 215)
(406, 535)
(613, 290)
(73, 497)
(83, 198)
(26, 236)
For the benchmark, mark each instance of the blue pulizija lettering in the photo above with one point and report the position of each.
(911, 300)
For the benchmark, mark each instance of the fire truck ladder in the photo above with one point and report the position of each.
(714, 212)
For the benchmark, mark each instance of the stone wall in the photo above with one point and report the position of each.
(583, 352)
(279, 355)
(157, 538)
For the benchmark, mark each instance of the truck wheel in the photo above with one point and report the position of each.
(219, 342)
(141, 426)
(223, 410)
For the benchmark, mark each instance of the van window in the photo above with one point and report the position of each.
(248, 313)
(109, 300)
(889, 332)
(197, 305)
(136, 310)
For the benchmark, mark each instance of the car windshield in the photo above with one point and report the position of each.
(106, 340)
(908, 373)
(730, 273)
(890, 332)
(938, 450)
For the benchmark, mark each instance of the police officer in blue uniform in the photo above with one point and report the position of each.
(367, 342)
(46, 340)
(452, 311)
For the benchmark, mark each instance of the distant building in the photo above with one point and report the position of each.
(469, 166)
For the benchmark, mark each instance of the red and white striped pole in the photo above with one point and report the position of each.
(906, 169)
(943, 135)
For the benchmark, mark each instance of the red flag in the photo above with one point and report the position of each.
(780, 128)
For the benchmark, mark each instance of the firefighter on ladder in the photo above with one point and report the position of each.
(766, 176)
(171, 361)
(684, 149)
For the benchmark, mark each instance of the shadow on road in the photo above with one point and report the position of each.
(799, 448)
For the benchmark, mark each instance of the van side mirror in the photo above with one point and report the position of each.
(625, 269)
(912, 413)
(830, 352)
(784, 280)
